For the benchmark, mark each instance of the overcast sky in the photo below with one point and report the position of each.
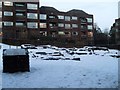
(105, 11)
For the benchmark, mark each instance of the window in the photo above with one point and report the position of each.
(60, 17)
(32, 25)
(43, 16)
(117, 30)
(19, 4)
(8, 23)
(0, 24)
(6, 3)
(83, 26)
(60, 25)
(67, 18)
(52, 25)
(89, 20)
(43, 33)
(32, 15)
(90, 27)
(90, 34)
(7, 13)
(1, 33)
(43, 25)
(19, 24)
(83, 20)
(0, 4)
(67, 26)
(61, 33)
(74, 18)
(19, 14)
(32, 6)
(66, 34)
(74, 26)
(74, 33)
(0, 14)
(51, 17)
(116, 24)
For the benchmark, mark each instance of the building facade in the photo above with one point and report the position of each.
(20, 20)
(74, 25)
(115, 32)
(25, 22)
(117, 29)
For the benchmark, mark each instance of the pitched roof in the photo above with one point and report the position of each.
(48, 9)
(78, 12)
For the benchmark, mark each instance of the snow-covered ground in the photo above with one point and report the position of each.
(98, 70)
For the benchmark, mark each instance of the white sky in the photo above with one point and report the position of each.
(105, 11)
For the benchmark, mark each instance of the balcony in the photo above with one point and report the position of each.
(53, 20)
(54, 28)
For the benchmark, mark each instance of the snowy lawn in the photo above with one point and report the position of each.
(92, 71)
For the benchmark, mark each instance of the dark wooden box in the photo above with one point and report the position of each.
(15, 60)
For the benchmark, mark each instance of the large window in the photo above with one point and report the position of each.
(74, 18)
(32, 25)
(0, 14)
(90, 27)
(74, 26)
(0, 24)
(60, 17)
(7, 3)
(8, 23)
(67, 18)
(89, 20)
(32, 15)
(43, 16)
(32, 6)
(7, 13)
(0, 4)
(67, 26)
(60, 25)
(43, 25)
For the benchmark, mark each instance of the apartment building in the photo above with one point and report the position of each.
(20, 20)
(25, 22)
(117, 30)
(74, 24)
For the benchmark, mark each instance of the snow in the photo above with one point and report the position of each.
(11, 52)
(98, 70)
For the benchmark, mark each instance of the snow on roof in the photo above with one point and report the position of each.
(10, 52)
